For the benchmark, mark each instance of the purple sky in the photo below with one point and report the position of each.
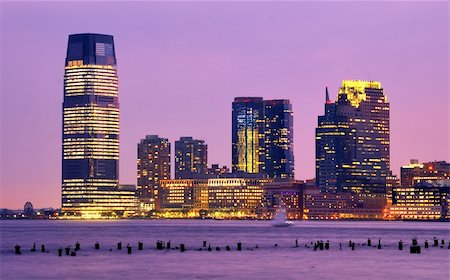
(181, 64)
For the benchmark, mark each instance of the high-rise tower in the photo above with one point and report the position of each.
(352, 140)
(191, 157)
(248, 135)
(279, 139)
(262, 137)
(90, 128)
(153, 165)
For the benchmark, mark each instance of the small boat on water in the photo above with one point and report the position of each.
(279, 220)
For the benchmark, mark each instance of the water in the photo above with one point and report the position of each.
(267, 262)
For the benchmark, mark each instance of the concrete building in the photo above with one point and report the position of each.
(153, 165)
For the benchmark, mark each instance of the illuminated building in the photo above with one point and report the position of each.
(287, 195)
(248, 135)
(153, 165)
(416, 172)
(424, 201)
(262, 137)
(319, 205)
(191, 157)
(91, 129)
(215, 198)
(352, 140)
(279, 139)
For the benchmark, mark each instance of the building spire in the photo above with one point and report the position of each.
(327, 96)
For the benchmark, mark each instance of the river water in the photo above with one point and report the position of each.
(267, 252)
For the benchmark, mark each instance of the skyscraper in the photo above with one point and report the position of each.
(153, 165)
(91, 128)
(248, 135)
(191, 157)
(352, 140)
(262, 137)
(279, 139)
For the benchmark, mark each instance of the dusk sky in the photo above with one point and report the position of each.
(181, 64)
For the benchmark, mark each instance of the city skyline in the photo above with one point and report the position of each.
(407, 90)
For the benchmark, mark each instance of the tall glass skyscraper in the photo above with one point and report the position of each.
(279, 139)
(91, 129)
(262, 137)
(248, 135)
(352, 140)
(191, 157)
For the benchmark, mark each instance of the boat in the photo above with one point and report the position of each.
(279, 220)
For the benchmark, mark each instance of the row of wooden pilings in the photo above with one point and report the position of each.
(415, 248)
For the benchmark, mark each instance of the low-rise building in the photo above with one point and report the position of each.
(345, 205)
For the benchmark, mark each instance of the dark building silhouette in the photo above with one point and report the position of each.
(191, 157)
(279, 139)
(91, 129)
(262, 137)
(153, 165)
(352, 140)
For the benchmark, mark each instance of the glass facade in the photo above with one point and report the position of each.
(248, 135)
(279, 139)
(91, 129)
(262, 137)
(352, 140)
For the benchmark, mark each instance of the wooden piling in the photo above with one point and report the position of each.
(17, 249)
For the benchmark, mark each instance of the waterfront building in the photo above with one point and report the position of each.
(153, 165)
(424, 201)
(319, 205)
(279, 139)
(90, 132)
(282, 195)
(214, 197)
(352, 140)
(262, 137)
(416, 172)
(248, 135)
(191, 157)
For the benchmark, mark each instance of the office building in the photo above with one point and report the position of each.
(248, 135)
(279, 139)
(213, 198)
(352, 140)
(262, 137)
(191, 158)
(424, 201)
(90, 133)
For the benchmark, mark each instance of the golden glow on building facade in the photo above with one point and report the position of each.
(352, 140)
(422, 202)
(91, 131)
(153, 165)
(216, 198)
